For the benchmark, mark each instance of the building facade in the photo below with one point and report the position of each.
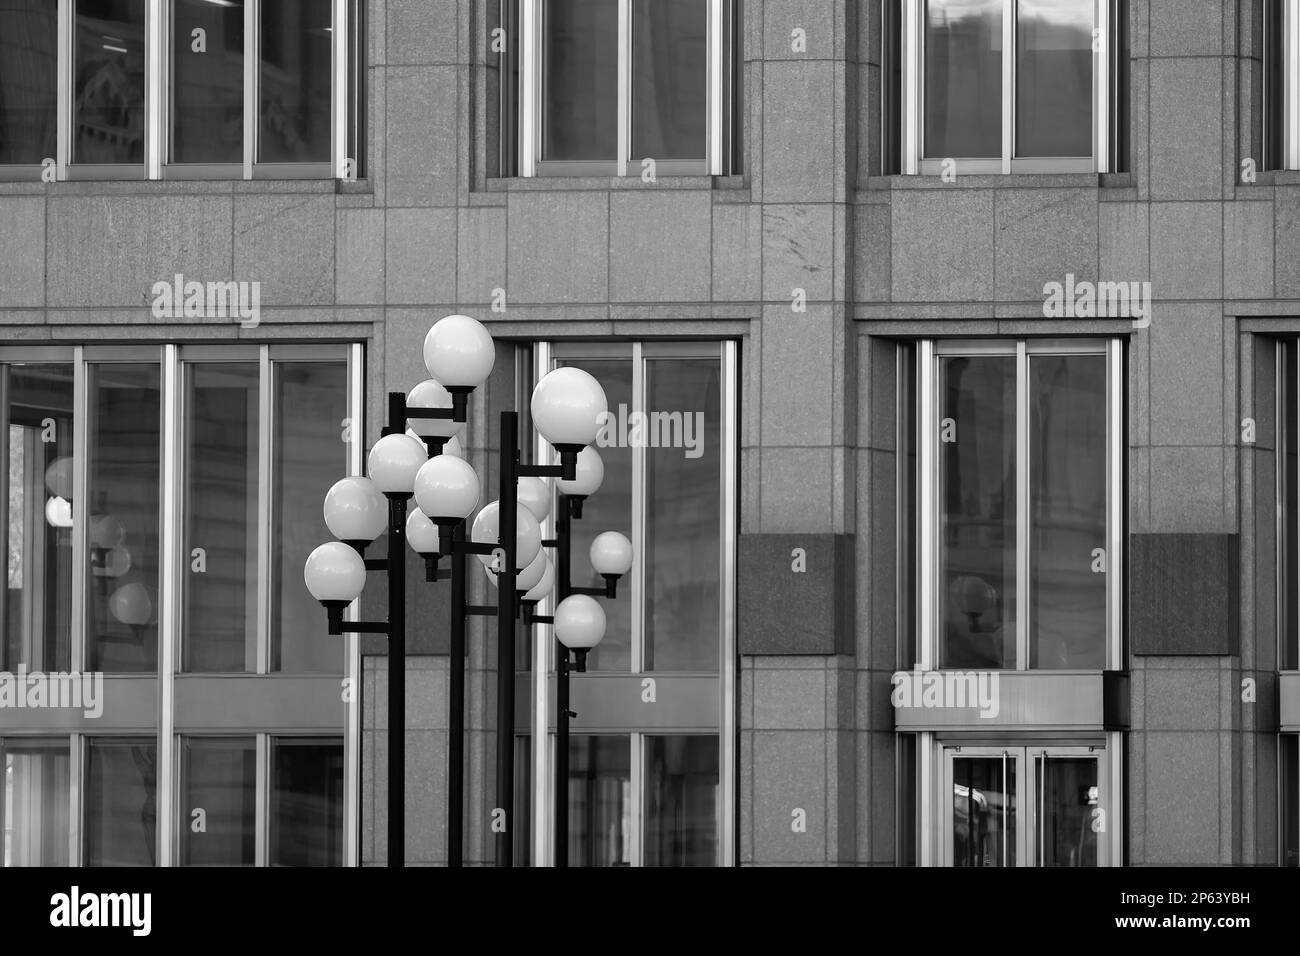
(950, 346)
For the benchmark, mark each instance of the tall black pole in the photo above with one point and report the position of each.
(397, 682)
(563, 543)
(456, 725)
(506, 642)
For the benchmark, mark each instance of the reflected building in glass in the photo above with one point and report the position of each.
(926, 571)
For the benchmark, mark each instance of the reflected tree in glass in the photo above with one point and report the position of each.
(108, 83)
(207, 85)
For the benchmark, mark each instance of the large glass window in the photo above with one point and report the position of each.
(34, 802)
(29, 81)
(219, 801)
(1019, 480)
(108, 83)
(121, 810)
(207, 82)
(306, 802)
(681, 801)
(36, 473)
(622, 83)
(294, 81)
(600, 801)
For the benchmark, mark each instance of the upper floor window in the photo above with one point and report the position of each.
(1012, 478)
(606, 87)
(149, 89)
(1281, 139)
(1002, 86)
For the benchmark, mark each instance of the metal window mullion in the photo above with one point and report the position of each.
(34, 540)
(262, 802)
(155, 87)
(1115, 506)
(727, 722)
(912, 51)
(63, 108)
(339, 88)
(76, 770)
(927, 792)
(1291, 36)
(252, 17)
(5, 500)
(624, 84)
(261, 654)
(1008, 83)
(352, 642)
(716, 66)
(1113, 814)
(530, 75)
(1101, 68)
(171, 531)
(639, 557)
(927, 472)
(636, 809)
(1022, 507)
(80, 509)
(543, 640)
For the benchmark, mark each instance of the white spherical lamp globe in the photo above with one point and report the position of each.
(447, 488)
(334, 572)
(355, 510)
(422, 533)
(58, 477)
(530, 576)
(528, 533)
(579, 622)
(131, 605)
(535, 495)
(393, 463)
(430, 394)
(586, 480)
(568, 407)
(106, 531)
(543, 587)
(58, 512)
(611, 553)
(458, 352)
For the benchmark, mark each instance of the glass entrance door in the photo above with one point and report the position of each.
(1023, 806)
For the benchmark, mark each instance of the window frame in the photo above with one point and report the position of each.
(721, 119)
(1105, 85)
(346, 104)
(924, 646)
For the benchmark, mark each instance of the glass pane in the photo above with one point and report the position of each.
(1054, 78)
(580, 80)
(308, 456)
(610, 509)
(600, 800)
(108, 88)
(122, 607)
(963, 78)
(670, 78)
(983, 811)
(35, 803)
(1289, 465)
(977, 511)
(681, 813)
(1290, 800)
(29, 80)
(36, 482)
(682, 435)
(220, 553)
(1067, 507)
(121, 813)
(207, 90)
(306, 802)
(295, 82)
(218, 813)
(522, 822)
(1069, 810)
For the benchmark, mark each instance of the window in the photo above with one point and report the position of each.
(1018, 505)
(34, 802)
(1281, 131)
(306, 802)
(607, 85)
(218, 809)
(121, 802)
(641, 794)
(1001, 86)
(180, 89)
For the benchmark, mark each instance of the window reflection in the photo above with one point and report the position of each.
(963, 78)
(600, 800)
(123, 514)
(121, 811)
(681, 823)
(218, 781)
(669, 78)
(1070, 812)
(984, 812)
(295, 81)
(29, 81)
(306, 802)
(35, 799)
(1054, 77)
(580, 80)
(207, 88)
(36, 472)
(108, 88)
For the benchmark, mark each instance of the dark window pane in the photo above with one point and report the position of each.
(296, 82)
(308, 457)
(35, 799)
(977, 516)
(963, 78)
(1067, 511)
(36, 472)
(122, 625)
(207, 88)
(670, 103)
(983, 812)
(218, 803)
(1054, 78)
(681, 822)
(108, 90)
(28, 80)
(683, 531)
(610, 509)
(221, 480)
(600, 800)
(1290, 470)
(1290, 800)
(580, 80)
(121, 812)
(306, 803)
(1070, 810)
